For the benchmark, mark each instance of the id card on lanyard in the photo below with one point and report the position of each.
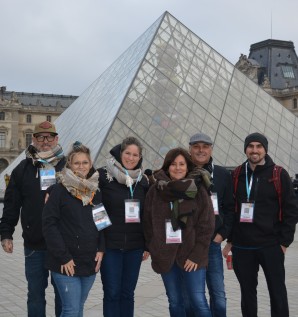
(214, 200)
(132, 206)
(247, 212)
(132, 210)
(247, 208)
(100, 217)
(171, 235)
(47, 177)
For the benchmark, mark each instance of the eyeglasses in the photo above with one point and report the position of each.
(78, 164)
(41, 138)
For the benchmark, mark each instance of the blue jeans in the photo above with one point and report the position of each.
(37, 280)
(177, 281)
(215, 281)
(73, 291)
(119, 274)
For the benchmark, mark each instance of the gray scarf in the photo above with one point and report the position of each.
(116, 170)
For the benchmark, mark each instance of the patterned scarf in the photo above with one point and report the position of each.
(200, 175)
(179, 193)
(116, 170)
(52, 156)
(79, 187)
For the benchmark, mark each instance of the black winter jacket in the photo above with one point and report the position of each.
(223, 187)
(266, 229)
(121, 235)
(70, 232)
(23, 195)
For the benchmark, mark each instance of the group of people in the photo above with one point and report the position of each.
(77, 221)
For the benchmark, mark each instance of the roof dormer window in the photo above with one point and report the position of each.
(288, 71)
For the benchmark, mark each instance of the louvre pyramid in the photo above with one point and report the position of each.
(168, 85)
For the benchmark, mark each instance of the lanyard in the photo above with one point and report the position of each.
(130, 186)
(248, 187)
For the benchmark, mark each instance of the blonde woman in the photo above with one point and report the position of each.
(75, 246)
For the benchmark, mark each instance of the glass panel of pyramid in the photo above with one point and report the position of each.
(168, 85)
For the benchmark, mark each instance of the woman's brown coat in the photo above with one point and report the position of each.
(196, 236)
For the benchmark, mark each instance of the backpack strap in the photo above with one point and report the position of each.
(236, 173)
(277, 184)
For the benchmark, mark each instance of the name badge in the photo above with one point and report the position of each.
(132, 210)
(47, 177)
(247, 212)
(171, 235)
(100, 217)
(215, 203)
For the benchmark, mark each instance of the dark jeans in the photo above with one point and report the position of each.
(73, 291)
(178, 284)
(119, 274)
(246, 264)
(215, 281)
(37, 279)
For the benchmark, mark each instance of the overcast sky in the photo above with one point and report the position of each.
(62, 46)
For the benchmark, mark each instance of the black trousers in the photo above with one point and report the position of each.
(246, 265)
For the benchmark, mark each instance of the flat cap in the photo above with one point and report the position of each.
(200, 137)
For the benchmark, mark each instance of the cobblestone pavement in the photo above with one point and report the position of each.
(150, 295)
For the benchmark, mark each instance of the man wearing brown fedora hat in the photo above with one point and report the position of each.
(26, 192)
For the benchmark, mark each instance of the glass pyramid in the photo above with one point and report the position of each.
(168, 85)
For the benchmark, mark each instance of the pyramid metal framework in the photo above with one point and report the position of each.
(168, 85)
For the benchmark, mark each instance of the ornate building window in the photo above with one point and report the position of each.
(49, 118)
(2, 139)
(28, 118)
(2, 115)
(295, 103)
(28, 139)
